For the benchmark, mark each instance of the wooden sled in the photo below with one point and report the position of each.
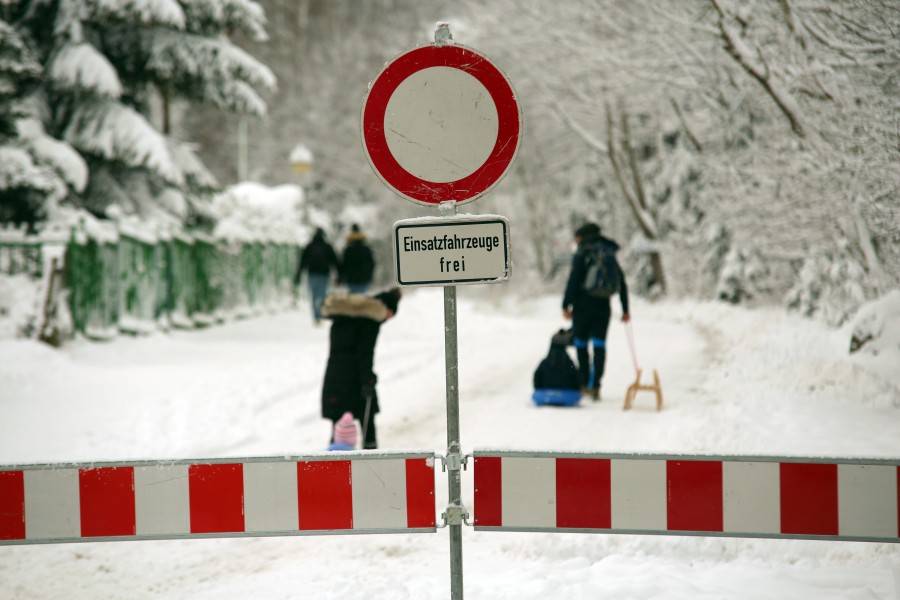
(635, 387)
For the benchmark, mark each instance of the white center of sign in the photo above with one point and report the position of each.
(441, 124)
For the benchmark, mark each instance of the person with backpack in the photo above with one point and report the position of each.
(349, 382)
(318, 259)
(357, 262)
(594, 278)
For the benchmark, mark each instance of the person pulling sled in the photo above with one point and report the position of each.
(595, 277)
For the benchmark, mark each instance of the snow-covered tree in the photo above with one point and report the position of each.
(111, 73)
(36, 171)
(18, 70)
(758, 128)
(787, 116)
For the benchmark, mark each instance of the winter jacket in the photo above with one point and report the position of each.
(349, 378)
(357, 263)
(575, 294)
(318, 257)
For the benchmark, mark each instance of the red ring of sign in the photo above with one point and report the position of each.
(485, 176)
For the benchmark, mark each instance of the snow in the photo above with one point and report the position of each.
(116, 131)
(301, 154)
(164, 12)
(67, 162)
(736, 381)
(251, 211)
(18, 294)
(876, 328)
(82, 68)
(218, 66)
(17, 169)
(193, 168)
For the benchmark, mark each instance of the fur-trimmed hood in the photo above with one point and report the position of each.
(354, 305)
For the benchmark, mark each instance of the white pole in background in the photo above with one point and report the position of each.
(242, 150)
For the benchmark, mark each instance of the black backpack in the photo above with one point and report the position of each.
(601, 278)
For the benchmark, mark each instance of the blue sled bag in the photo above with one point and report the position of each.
(556, 378)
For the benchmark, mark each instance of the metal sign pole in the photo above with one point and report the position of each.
(454, 506)
(455, 511)
(432, 151)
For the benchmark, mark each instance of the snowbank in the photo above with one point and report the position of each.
(18, 306)
(250, 211)
(875, 334)
(736, 381)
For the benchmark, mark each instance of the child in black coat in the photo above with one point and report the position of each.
(556, 378)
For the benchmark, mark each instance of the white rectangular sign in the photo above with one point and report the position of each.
(458, 250)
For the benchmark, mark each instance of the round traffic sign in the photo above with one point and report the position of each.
(441, 123)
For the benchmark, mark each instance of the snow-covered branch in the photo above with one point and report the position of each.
(118, 133)
(81, 68)
(744, 56)
(226, 15)
(211, 70)
(641, 215)
(573, 125)
(145, 12)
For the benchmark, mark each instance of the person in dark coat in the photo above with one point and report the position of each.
(349, 383)
(318, 259)
(590, 314)
(357, 262)
(556, 379)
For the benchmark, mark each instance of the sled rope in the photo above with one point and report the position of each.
(629, 334)
(365, 422)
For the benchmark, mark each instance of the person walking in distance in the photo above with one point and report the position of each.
(357, 262)
(594, 278)
(349, 383)
(318, 259)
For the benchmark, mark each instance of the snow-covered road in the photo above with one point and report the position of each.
(736, 381)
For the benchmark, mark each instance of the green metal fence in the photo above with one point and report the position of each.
(90, 274)
(120, 279)
(136, 284)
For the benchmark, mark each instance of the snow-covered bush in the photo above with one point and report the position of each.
(876, 327)
(715, 243)
(875, 337)
(741, 276)
(251, 211)
(828, 287)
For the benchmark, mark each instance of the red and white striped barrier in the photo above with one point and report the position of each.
(688, 495)
(337, 493)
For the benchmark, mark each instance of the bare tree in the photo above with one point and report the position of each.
(763, 128)
(624, 162)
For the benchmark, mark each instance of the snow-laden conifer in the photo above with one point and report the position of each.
(114, 71)
(19, 69)
(33, 168)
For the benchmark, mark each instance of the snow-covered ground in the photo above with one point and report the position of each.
(736, 381)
